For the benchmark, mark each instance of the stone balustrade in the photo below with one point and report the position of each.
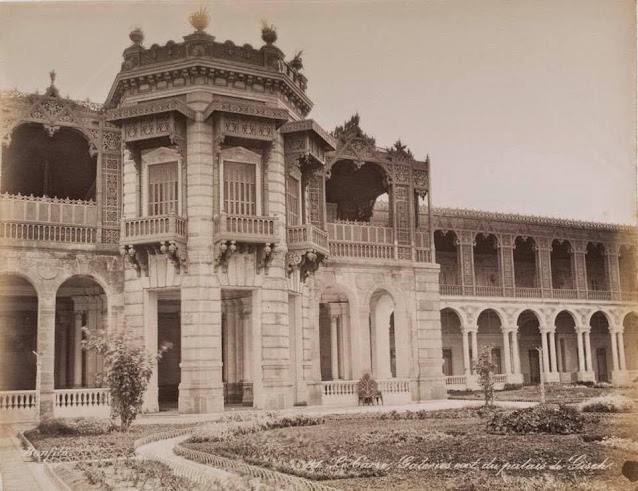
(153, 229)
(239, 228)
(561, 294)
(18, 406)
(344, 392)
(85, 402)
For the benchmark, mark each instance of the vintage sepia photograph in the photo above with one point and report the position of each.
(318, 245)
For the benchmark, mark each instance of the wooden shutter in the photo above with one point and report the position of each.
(163, 196)
(240, 197)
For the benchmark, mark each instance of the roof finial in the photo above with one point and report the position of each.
(52, 91)
(200, 19)
(52, 75)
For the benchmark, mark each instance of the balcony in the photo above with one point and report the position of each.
(154, 229)
(233, 233)
(164, 234)
(34, 218)
(307, 237)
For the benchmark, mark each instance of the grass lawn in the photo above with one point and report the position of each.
(554, 393)
(364, 452)
(64, 448)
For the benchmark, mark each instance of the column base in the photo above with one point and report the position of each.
(151, 400)
(431, 388)
(551, 377)
(620, 377)
(585, 376)
(200, 400)
(315, 392)
(247, 393)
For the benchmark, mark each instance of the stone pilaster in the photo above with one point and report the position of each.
(612, 266)
(465, 248)
(506, 263)
(201, 389)
(46, 351)
(579, 268)
(130, 186)
(543, 248)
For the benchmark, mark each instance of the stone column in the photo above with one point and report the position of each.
(517, 355)
(77, 348)
(588, 364)
(614, 350)
(553, 354)
(581, 351)
(200, 390)
(545, 352)
(46, 351)
(149, 302)
(247, 385)
(474, 333)
(383, 311)
(347, 342)
(506, 352)
(466, 353)
(621, 349)
(334, 348)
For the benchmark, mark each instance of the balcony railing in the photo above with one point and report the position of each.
(48, 219)
(563, 294)
(161, 228)
(253, 229)
(82, 402)
(307, 237)
(361, 251)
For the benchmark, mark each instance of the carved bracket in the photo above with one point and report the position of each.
(225, 249)
(306, 262)
(137, 258)
(176, 254)
(266, 255)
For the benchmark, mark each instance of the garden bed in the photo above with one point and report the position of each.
(109, 445)
(554, 393)
(450, 449)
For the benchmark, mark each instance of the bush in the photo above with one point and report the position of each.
(561, 420)
(588, 383)
(602, 385)
(607, 404)
(78, 426)
(512, 386)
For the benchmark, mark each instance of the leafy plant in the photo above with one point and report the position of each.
(543, 418)
(268, 32)
(607, 404)
(127, 371)
(297, 63)
(484, 367)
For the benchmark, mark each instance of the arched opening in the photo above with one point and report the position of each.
(45, 163)
(381, 211)
(381, 326)
(567, 346)
(352, 190)
(525, 274)
(445, 245)
(596, 268)
(490, 334)
(486, 269)
(334, 336)
(80, 303)
(628, 270)
(18, 333)
(630, 337)
(561, 261)
(529, 339)
(600, 338)
(452, 341)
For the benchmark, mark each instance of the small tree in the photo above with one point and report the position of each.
(485, 368)
(127, 371)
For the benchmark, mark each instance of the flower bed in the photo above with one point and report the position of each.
(375, 451)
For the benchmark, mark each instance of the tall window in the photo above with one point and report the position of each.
(240, 197)
(162, 189)
(292, 201)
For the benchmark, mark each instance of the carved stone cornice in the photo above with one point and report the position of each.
(246, 108)
(150, 108)
(310, 125)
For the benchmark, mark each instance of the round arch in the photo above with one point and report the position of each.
(630, 339)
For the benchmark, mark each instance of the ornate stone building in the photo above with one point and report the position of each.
(199, 206)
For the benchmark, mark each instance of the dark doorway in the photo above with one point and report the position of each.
(534, 367)
(601, 363)
(168, 369)
(447, 362)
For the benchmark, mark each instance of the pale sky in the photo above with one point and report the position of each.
(525, 106)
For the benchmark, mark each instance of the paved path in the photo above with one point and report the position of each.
(17, 474)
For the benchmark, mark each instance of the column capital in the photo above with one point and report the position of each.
(467, 329)
(581, 329)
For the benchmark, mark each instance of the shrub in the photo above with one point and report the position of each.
(77, 426)
(607, 404)
(127, 371)
(561, 420)
(602, 385)
(512, 386)
(587, 383)
(484, 367)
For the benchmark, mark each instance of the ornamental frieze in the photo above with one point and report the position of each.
(150, 108)
(246, 108)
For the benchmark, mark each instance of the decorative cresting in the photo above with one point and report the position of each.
(53, 113)
(305, 147)
(200, 60)
(405, 177)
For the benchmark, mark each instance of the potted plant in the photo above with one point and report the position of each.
(268, 32)
(200, 19)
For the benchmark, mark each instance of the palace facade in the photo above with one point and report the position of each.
(200, 206)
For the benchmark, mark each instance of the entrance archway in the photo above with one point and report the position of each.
(334, 336)
(567, 346)
(529, 340)
(381, 326)
(600, 336)
(630, 323)
(452, 340)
